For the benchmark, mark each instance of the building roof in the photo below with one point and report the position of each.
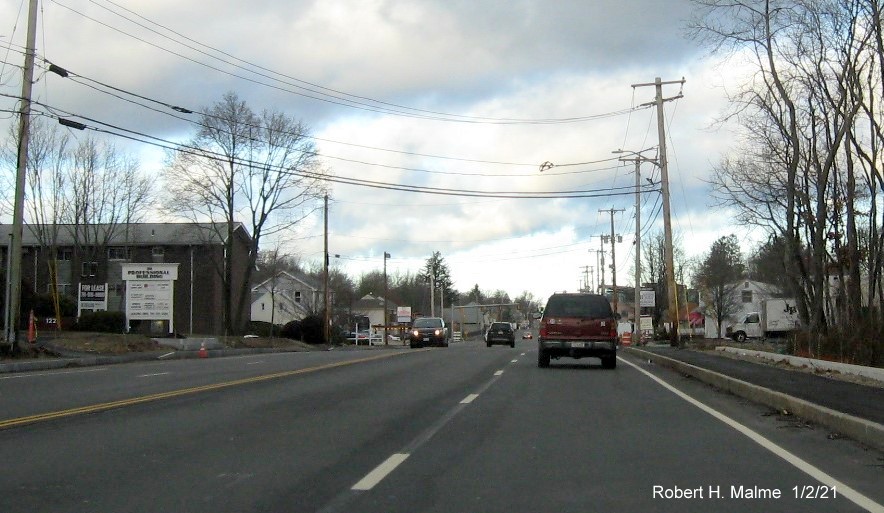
(132, 234)
(295, 276)
(369, 302)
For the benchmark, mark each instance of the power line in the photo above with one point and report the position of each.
(338, 98)
(94, 84)
(169, 145)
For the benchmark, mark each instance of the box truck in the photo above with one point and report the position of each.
(777, 318)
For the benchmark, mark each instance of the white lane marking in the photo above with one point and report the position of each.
(523, 354)
(824, 478)
(154, 374)
(513, 361)
(160, 357)
(380, 472)
(468, 399)
(19, 376)
(498, 373)
(255, 363)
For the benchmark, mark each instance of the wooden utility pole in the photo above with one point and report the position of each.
(13, 271)
(614, 297)
(667, 213)
(326, 330)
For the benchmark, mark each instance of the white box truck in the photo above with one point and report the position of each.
(777, 318)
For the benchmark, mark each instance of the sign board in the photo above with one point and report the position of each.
(646, 323)
(403, 314)
(648, 299)
(150, 292)
(92, 296)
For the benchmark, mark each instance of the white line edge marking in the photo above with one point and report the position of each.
(470, 398)
(380, 472)
(498, 373)
(19, 376)
(513, 361)
(154, 374)
(160, 357)
(854, 496)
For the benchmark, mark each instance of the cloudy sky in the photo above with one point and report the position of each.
(472, 63)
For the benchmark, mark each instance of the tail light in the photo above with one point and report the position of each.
(542, 331)
(614, 329)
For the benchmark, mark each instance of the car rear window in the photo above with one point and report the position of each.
(428, 323)
(578, 305)
(501, 326)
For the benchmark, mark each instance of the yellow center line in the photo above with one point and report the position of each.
(40, 417)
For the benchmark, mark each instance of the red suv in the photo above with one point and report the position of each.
(577, 326)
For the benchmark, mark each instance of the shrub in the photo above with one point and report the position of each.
(105, 322)
(292, 330)
(264, 329)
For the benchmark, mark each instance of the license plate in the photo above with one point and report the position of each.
(578, 344)
(426, 339)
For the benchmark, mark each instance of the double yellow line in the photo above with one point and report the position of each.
(40, 417)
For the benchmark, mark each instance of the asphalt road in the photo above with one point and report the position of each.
(463, 429)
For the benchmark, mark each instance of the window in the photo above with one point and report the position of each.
(64, 289)
(752, 318)
(157, 251)
(262, 307)
(117, 253)
(747, 296)
(90, 269)
(297, 296)
(64, 254)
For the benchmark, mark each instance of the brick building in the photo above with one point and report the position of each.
(95, 254)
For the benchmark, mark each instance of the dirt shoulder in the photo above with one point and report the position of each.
(118, 343)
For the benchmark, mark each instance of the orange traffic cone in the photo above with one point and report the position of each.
(32, 328)
(203, 353)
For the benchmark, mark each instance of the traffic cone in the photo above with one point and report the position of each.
(32, 328)
(203, 353)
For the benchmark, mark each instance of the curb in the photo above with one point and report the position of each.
(862, 430)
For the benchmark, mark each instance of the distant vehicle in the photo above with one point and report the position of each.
(577, 326)
(777, 318)
(527, 335)
(500, 333)
(428, 331)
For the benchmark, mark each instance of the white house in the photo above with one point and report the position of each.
(285, 297)
(749, 295)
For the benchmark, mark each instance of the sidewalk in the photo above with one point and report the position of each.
(854, 410)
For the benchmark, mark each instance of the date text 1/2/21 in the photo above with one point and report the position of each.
(815, 492)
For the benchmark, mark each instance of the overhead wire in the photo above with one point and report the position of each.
(163, 143)
(113, 91)
(338, 98)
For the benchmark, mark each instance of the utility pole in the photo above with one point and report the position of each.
(638, 159)
(386, 313)
(595, 281)
(13, 272)
(616, 301)
(667, 220)
(432, 295)
(327, 319)
(586, 286)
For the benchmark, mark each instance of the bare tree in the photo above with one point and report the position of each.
(262, 169)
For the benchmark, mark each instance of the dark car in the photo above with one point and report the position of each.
(500, 333)
(577, 326)
(428, 331)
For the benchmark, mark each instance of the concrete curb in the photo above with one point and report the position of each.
(862, 430)
(799, 361)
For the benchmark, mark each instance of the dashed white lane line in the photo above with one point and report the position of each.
(468, 399)
(498, 373)
(380, 472)
(523, 354)
(513, 361)
(853, 495)
(154, 374)
(255, 363)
